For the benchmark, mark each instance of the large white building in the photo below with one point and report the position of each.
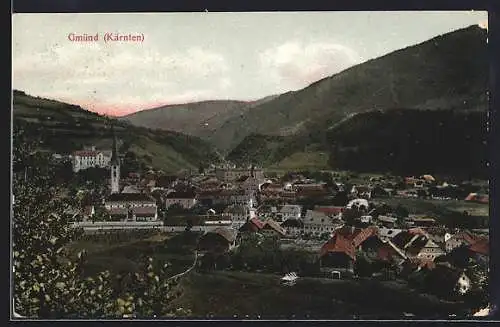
(85, 159)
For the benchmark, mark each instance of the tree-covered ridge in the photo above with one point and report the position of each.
(47, 282)
(64, 128)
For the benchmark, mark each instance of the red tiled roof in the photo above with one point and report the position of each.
(339, 243)
(86, 153)
(271, 224)
(253, 224)
(347, 240)
(481, 246)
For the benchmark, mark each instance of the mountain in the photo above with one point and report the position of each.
(200, 119)
(64, 128)
(448, 73)
(409, 141)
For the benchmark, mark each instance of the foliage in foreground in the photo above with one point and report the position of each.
(47, 283)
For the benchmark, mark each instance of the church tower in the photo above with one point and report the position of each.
(115, 168)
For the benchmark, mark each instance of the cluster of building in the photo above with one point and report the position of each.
(228, 203)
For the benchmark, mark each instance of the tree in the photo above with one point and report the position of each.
(401, 212)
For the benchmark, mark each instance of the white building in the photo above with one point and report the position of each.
(290, 211)
(317, 223)
(131, 207)
(186, 200)
(85, 159)
(238, 214)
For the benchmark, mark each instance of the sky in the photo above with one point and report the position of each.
(189, 57)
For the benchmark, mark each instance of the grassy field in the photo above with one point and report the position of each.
(438, 207)
(229, 294)
(129, 255)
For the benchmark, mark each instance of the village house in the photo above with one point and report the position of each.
(131, 207)
(459, 239)
(478, 198)
(213, 247)
(186, 200)
(380, 192)
(272, 229)
(293, 227)
(361, 191)
(304, 191)
(330, 211)
(361, 204)
(252, 226)
(238, 214)
(386, 234)
(317, 223)
(387, 221)
(85, 159)
(219, 240)
(290, 211)
(416, 244)
(338, 254)
(250, 184)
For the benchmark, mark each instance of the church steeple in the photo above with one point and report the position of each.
(115, 166)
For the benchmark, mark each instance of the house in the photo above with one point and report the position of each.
(219, 240)
(304, 191)
(85, 159)
(249, 184)
(461, 238)
(379, 192)
(213, 247)
(416, 244)
(387, 221)
(186, 200)
(290, 211)
(477, 197)
(366, 219)
(359, 203)
(438, 235)
(238, 214)
(272, 228)
(339, 252)
(131, 206)
(480, 251)
(293, 227)
(330, 211)
(361, 191)
(317, 223)
(388, 233)
(253, 225)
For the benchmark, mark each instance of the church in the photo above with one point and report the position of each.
(127, 206)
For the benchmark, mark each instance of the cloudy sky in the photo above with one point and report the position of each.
(189, 57)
